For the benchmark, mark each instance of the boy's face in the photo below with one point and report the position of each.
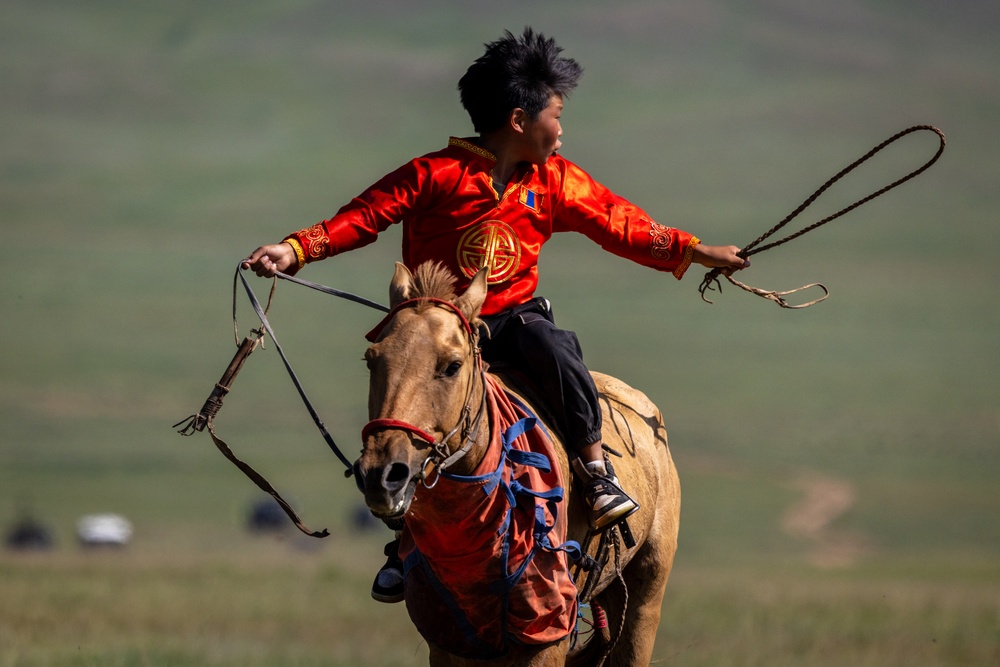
(541, 135)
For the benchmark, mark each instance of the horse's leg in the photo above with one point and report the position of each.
(642, 599)
(645, 581)
(553, 655)
(550, 655)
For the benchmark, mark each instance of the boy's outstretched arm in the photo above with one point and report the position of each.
(719, 256)
(266, 260)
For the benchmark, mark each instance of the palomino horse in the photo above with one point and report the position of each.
(426, 387)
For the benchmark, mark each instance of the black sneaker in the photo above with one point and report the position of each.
(388, 585)
(607, 502)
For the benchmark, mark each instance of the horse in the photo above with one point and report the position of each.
(426, 392)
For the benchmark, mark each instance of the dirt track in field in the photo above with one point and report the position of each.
(824, 500)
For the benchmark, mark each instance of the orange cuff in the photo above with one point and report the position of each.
(300, 254)
(688, 256)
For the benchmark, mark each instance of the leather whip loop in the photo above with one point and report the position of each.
(711, 280)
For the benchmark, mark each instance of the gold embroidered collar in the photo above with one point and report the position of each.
(473, 148)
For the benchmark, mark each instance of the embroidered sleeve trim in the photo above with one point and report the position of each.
(660, 241)
(314, 241)
(688, 257)
(300, 254)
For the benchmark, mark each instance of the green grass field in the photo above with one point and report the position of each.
(839, 464)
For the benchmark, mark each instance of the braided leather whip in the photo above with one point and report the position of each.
(711, 279)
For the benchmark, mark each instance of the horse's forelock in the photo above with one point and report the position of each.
(433, 280)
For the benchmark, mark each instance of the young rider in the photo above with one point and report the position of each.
(492, 201)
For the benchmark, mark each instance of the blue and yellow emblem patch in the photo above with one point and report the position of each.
(530, 198)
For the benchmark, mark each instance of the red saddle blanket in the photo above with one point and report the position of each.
(484, 554)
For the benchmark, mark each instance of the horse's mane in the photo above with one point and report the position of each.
(435, 281)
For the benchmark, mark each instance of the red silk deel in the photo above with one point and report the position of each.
(485, 557)
(451, 214)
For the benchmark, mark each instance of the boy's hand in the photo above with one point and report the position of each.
(266, 260)
(723, 257)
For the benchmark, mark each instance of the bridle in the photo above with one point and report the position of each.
(440, 457)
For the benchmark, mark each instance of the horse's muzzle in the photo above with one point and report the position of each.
(388, 488)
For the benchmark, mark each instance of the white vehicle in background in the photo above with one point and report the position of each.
(103, 530)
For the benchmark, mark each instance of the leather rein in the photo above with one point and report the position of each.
(441, 456)
(204, 419)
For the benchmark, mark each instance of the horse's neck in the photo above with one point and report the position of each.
(487, 436)
(517, 384)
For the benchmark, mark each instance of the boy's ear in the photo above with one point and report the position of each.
(516, 120)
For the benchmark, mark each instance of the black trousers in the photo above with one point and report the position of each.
(527, 339)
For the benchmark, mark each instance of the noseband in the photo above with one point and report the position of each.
(440, 456)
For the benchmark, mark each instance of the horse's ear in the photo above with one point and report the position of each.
(472, 300)
(401, 286)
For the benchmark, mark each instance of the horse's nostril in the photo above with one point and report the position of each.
(396, 476)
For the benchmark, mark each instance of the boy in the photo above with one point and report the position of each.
(492, 201)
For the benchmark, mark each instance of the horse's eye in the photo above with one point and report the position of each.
(452, 369)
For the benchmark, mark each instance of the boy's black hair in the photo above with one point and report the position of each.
(516, 73)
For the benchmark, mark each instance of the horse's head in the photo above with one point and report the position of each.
(425, 398)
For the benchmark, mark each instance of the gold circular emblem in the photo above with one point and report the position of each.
(492, 244)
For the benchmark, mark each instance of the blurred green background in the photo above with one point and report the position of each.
(839, 464)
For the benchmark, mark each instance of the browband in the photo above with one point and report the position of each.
(373, 335)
